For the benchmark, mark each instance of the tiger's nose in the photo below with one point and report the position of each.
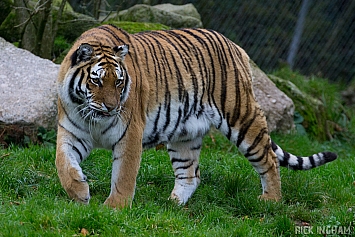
(107, 107)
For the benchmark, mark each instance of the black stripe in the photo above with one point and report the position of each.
(300, 163)
(153, 56)
(311, 159)
(102, 63)
(71, 121)
(73, 58)
(273, 146)
(167, 107)
(77, 151)
(78, 89)
(177, 177)
(110, 31)
(153, 140)
(265, 172)
(196, 170)
(72, 134)
(265, 151)
(286, 157)
(229, 133)
(198, 147)
(124, 133)
(82, 144)
(111, 125)
(186, 106)
(260, 158)
(156, 122)
(248, 154)
(184, 166)
(173, 160)
(118, 191)
(72, 95)
(138, 40)
(176, 125)
(257, 139)
(244, 129)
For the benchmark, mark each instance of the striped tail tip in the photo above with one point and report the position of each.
(329, 156)
(302, 163)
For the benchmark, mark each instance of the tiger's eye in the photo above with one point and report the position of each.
(118, 82)
(95, 80)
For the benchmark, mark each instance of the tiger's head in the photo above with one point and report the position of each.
(99, 82)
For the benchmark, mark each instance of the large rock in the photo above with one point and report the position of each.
(185, 16)
(28, 96)
(27, 93)
(278, 107)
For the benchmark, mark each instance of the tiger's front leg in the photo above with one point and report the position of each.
(184, 157)
(70, 152)
(126, 161)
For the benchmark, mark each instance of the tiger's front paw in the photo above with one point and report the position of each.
(79, 191)
(181, 194)
(118, 202)
(269, 197)
(76, 186)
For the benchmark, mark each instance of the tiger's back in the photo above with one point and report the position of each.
(119, 91)
(197, 78)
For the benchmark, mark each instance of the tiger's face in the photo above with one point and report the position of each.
(106, 84)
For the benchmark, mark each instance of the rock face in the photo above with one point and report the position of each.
(277, 106)
(28, 96)
(27, 92)
(166, 14)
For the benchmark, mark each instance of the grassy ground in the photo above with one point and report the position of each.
(33, 203)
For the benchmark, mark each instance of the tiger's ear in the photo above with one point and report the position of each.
(83, 53)
(121, 51)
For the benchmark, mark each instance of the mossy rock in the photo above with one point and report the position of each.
(182, 16)
(311, 109)
(73, 24)
(135, 27)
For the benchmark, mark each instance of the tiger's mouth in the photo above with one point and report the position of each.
(100, 114)
(92, 112)
(95, 113)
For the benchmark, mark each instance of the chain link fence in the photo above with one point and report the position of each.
(313, 37)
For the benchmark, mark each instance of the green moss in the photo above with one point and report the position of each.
(7, 29)
(135, 27)
(311, 109)
(317, 101)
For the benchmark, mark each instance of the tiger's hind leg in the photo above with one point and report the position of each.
(184, 157)
(252, 139)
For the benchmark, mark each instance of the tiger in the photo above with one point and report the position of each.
(128, 92)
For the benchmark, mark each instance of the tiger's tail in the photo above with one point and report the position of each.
(302, 163)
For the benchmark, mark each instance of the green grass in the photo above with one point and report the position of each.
(33, 203)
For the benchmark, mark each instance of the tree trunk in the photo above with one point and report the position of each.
(35, 23)
(43, 47)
